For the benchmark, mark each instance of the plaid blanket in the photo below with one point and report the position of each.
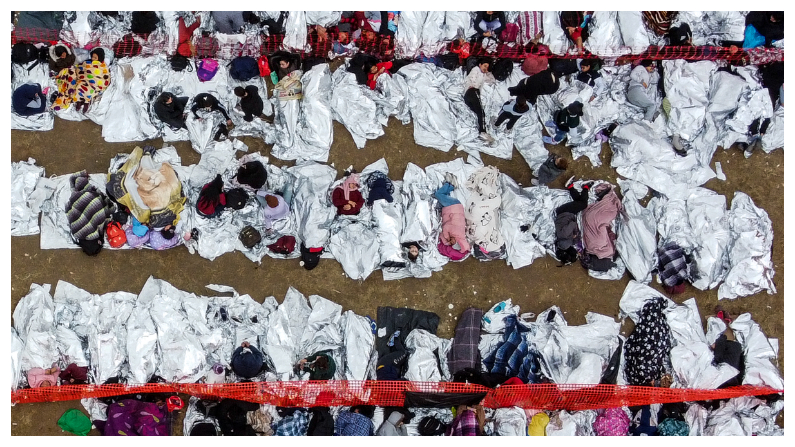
(464, 352)
(672, 264)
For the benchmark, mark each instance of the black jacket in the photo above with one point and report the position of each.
(566, 121)
(495, 15)
(251, 104)
(204, 100)
(171, 114)
(543, 83)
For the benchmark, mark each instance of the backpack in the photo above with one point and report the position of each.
(206, 69)
(115, 234)
(283, 246)
(236, 198)
(591, 262)
(206, 46)
(450, 61)
(510, 33)
(264, 67)
(22, 53)
(502, 69)
(127, 47)
(249, 236)
(244, 68)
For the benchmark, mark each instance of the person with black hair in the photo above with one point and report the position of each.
(545, 82)
(567, 232)
(250, 102)
(170, 109)
(511, 112)
(478, 76)
(321, 366)
(253, 174)
(356, 422)
(575, 25)
(413, 250)
(61, 56)
(209, 103)
(28, 100)
(642, 81)
(563, 121)
(144, 22)
(489, 24)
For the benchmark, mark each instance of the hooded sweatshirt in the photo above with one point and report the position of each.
(454, 224)
(390, 428)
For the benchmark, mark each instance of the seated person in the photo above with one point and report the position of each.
(28, 100)
(469, 421)
(74, 375)
(762, 29)
(321, 366)
(83, 83)
(642, 82)
(246, 361)
(531, 87)
(40, 377)
(347, 197)
(393, 425)
(489, 24)
(163, 239)
(575, 26)
(356, 422)
(212, 199)
(228, 22)
(374, 71)
(586, 71)
(567, 232)
(380, 187)
(274, 208)
(171, 110)
(283, 63)
(511, 112)
(209, 103)
(680, 36)
(563, 121)
(453, 221)
(253, 174)
(61, 56)
(250, 103)
(87, 211)
(185, 35)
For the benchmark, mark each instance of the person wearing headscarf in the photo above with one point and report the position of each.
(347, 197)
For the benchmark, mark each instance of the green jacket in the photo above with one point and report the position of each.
(326, 374)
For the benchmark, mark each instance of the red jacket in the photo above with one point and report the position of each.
(185, 33)
(338, 199)
(371, 77)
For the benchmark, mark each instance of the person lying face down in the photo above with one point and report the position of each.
(347, 197)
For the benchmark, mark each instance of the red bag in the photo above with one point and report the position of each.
(115, 234)
(510, 33)
(264, 67)
(284, 246)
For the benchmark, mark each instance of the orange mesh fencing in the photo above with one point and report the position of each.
(387, 393)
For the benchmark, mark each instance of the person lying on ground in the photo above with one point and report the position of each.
(246, 361)
(728, 350)
(87, 211)
(413, 250)
(375, 70)
(564, 120)
(347, 197)
(274, 208)
(321, 366)
(511, 112)
(170, 109)
(28, 100)
(475, 79)
(642, 82)
(208, 103)
(185, 34)
(673, 267)
(40, 377)
(545, 82)
(83, 83)
(567, 231)
(163, 239)
(379, 187)
(393, 425)
(74, 375)
(453, 221)
(250, 102)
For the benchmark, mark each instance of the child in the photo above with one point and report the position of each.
(512, 111)
(564, 120)
(478, 76)
(641, 80)
(550, 170)
(374, 71)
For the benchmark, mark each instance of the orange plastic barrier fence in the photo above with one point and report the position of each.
(383, 393)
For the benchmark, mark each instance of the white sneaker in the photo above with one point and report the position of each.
(534, 182)
(569, 182)
(451, 179)
(486, 137)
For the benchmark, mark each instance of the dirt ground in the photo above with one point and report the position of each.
(72, 146)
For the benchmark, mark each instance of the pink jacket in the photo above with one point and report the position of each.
(598, 238)
(38, 375)
(454, 224)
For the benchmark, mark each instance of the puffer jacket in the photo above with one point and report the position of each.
(454, 224)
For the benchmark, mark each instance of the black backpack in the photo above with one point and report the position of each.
(180, 63)
(502, 69)
(450, 61)
(244, 68)
(22, 53)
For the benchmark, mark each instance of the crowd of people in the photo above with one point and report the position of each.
(143, 200)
